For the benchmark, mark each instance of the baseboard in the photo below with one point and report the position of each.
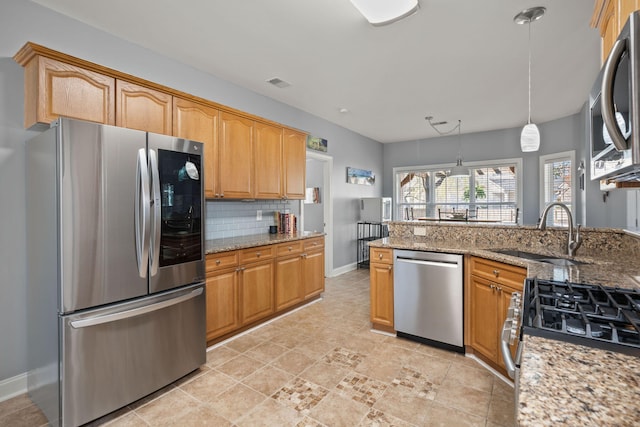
(12, 387)
(344, 269)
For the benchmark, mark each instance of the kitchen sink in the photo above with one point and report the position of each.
(539, 257)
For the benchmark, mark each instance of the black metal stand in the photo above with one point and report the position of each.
(367, 232)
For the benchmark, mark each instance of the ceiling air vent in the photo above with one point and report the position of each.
(278, 82)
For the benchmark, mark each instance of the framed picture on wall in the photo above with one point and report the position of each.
(360, 176)
(316, 144)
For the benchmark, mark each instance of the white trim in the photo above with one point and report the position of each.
(12, 387)
(571, 155)
(344, 269)
(497, 162)
(328, 209)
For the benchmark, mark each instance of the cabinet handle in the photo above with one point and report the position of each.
(496, 272)
(217, 262)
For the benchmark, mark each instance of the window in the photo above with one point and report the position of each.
(428, 192)
(556, 185)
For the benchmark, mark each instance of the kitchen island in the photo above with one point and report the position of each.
(560, 383)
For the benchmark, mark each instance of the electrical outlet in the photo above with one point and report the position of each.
(419, 231)
(259, 215)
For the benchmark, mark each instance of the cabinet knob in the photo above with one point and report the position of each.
(217, 262)
(258, 254)
(290, 248)
(492, 286)
(496, 272)
(390, 267)
(380, 256)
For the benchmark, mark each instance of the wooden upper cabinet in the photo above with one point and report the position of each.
(54, 89)
(294, 159)
(267, 151)
(609, 16)
(198, 122)
(236, 156)
(138, 107)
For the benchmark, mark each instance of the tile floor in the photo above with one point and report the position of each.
(319, 366)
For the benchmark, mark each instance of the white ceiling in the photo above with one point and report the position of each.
(454, 59)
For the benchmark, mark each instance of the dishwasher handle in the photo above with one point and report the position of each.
(447, 264)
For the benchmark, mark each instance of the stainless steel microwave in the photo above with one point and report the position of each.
(615, 110)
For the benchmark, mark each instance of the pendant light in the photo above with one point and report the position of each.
(458, 170)
(530, 136)
(383, 12)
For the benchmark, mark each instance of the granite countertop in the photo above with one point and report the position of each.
(563, 383)
(242, 242)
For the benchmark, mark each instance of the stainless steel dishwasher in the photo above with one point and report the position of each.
(428, 298)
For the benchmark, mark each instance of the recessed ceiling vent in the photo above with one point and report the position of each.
(278, 82)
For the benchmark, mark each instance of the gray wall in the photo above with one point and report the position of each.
(568, 133)
(22, 21)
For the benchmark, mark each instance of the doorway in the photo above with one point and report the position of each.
(318, 216)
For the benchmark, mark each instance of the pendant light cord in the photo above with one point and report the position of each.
(529, 121)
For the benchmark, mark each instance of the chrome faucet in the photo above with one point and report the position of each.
(572, 245)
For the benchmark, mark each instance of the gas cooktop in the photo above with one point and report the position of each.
(593, 315)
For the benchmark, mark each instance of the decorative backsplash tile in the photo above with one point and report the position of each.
(236, 218)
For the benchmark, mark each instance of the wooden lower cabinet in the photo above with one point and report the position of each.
(484, 318)
(381, 284)
(490, 287)
(256, 291)
(289, 286)
(313, 268)
(250, 285)
(222, 303)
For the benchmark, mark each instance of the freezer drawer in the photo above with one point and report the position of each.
(115, 355)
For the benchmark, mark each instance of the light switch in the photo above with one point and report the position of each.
(259, 215)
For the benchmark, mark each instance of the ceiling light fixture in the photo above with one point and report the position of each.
(383, 12)
(458, 170)
(530, 136)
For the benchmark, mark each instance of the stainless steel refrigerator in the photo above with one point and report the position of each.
(116, 297)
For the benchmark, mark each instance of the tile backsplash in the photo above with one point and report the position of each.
(237, 218)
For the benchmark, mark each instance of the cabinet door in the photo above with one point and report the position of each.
(198, 122)
(505, 299)
(313, 277)
(484, 317)
(222, 304)
(381, 281)
(289, 286)
(54, 89)
(138, 107)
(267, 149)
(236, 156)
(609, 29)
(625, 8)
(294, 155)
(256, 290)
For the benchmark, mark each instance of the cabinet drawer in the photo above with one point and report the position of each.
(290, 248)
(495, 271)
(256, 254)
(315, 243)
(222, 260)
(383, 255)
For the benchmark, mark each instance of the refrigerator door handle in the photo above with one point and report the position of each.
(142, 213)
(126, 314)
(156, 215)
